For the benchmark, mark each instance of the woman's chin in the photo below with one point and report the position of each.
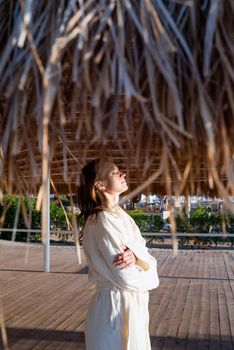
(125, 188)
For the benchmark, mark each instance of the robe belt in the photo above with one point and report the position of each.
(105, 284)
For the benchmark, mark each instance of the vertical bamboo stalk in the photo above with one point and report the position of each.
(29, 232)
(3, 328)
(75, 228)
(16, 220)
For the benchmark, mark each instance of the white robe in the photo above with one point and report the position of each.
(118, 316)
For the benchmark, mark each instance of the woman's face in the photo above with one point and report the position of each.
(115, 180)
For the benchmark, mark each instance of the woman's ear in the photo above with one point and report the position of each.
(100, 185)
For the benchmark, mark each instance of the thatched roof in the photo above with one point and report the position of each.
(150, 83)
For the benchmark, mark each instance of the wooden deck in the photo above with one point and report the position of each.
(192, 309)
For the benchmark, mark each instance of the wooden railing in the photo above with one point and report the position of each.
(147, 234)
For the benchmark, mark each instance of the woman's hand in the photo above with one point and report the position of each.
(125, 259)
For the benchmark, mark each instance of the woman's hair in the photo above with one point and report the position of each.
(90, 200)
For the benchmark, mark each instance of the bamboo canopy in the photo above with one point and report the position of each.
(148, 83)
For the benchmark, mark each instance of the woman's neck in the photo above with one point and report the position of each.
(112, 200)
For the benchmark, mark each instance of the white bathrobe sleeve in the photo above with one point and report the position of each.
(134, 278)
(138, 247)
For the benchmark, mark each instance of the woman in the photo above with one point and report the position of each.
(119, 263)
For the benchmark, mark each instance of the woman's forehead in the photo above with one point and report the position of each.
(111, 166)
(105, 168)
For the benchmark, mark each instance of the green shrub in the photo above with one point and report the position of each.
(57, 217)
(202, 220)
(10, 218)
(146, 222)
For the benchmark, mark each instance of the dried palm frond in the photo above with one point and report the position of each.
(149, 83)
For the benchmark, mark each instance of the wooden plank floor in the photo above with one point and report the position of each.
(192, 309)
